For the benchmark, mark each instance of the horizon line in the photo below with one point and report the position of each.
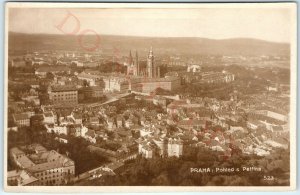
(145, 36)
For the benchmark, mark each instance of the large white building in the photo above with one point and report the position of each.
(49, 117)
(217, 77)
(146, 149)
(91, 79)
(273, 114)
(48, 167)
(175, 147)
(161, 147)
(193, 68)
(116, 84)
(64, 95)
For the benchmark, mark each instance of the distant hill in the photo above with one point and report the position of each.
(177, 45)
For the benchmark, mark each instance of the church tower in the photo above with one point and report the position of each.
(136, 64)
(151, 73)
(130, 59)
(130, 65)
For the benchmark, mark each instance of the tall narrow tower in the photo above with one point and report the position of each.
(151, 73)
(136, 64)
(130, 70)
(130, 59)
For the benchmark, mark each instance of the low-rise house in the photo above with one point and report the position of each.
(110, 124)
(77, 130)
(146, 149)
(57, 129)
(73, 132)
(94, 120)
(18, 63)
(34, 85)
(83, 130)
(160, 101)
(145, 131)
(77, 118)
(275, 144)
(254, 124)
(49, 117)
(90, 136)
(102, 135)
(62, 139)
(119, 121)
(143, 121)
(216, 145)
(12, 128)
(66, 120)
(129, 123)
(21, 178)
(22, 120)
(192, 124)
(236, 128)
(19, 158)
(175, 147)
(161, 144)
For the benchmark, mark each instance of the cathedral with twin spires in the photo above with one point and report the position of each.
(133, 65)
(151, 70)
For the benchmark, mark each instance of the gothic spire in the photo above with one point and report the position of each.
(130, 60)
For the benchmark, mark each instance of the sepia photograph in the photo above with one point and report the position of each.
(139, 97)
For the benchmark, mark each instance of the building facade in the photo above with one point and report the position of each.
(90, 92)
(48, 167)
(64, 95)
(148, 85)
(22, 120)
(116, 84)
(217, 77)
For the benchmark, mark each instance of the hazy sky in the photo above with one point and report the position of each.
(272, 24)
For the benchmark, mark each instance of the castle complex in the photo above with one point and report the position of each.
(133, 66)
(148, 79)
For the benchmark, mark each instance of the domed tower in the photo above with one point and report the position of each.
(151, 73)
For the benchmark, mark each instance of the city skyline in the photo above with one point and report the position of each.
(208, 99)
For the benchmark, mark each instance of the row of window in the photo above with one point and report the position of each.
(71, 94)
(64, 98)
(65, 93)
(52, 171)
(50, 182)
(51, 176)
